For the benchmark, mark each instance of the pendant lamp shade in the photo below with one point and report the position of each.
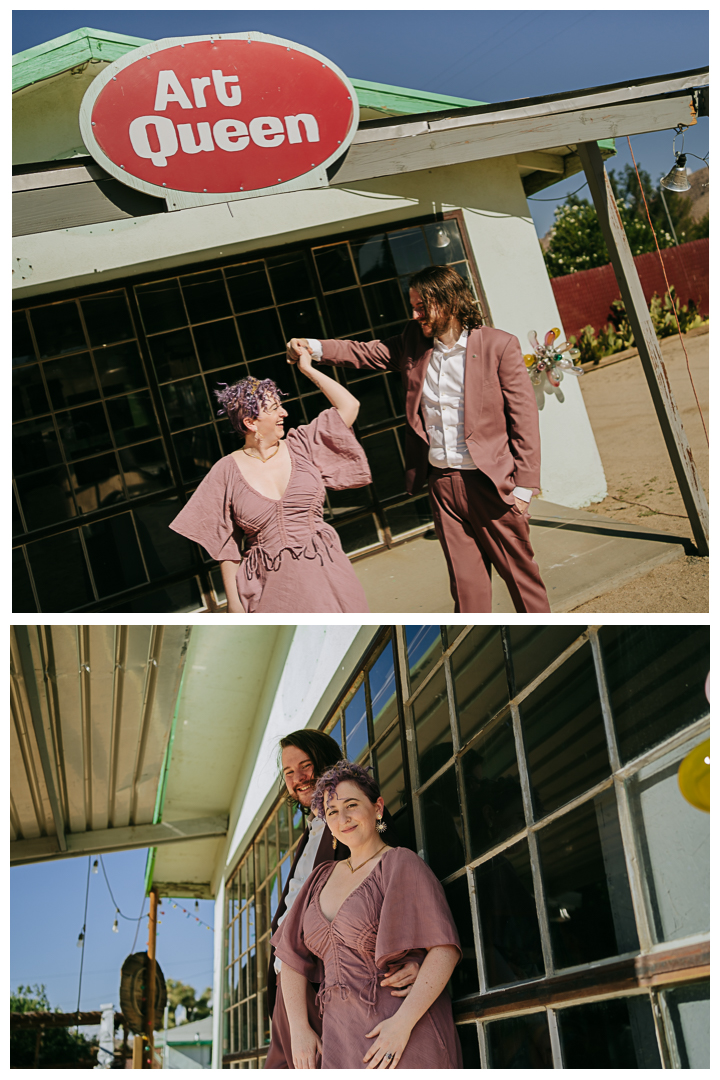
(676, 179)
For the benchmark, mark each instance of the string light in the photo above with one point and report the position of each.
(189, 914)
(95, 867)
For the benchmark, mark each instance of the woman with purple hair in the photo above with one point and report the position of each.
(270, 493)
(351, 922)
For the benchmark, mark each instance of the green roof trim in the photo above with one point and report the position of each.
(87, 45)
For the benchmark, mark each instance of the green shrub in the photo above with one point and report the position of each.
(617, 335)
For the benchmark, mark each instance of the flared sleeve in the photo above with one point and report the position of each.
(207, 518)
(332, 448)
(414, 914)
(289, 939)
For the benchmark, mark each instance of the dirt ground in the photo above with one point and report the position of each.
(641, 484)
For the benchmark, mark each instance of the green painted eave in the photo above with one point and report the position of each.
(96, 46)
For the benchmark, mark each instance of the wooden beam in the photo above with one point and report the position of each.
(550, 163)
(647, 344)
(431, 144)
(101, 841)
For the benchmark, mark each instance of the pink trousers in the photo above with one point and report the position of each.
(477, 531)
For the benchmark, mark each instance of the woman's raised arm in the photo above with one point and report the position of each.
(335, 392)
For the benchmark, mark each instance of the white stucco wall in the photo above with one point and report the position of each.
(501, 233)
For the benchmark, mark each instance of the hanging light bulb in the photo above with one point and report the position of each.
(442, 239)
(197, 905)
(95, 867)
(81, 938)
(676, 179)
(115, 929)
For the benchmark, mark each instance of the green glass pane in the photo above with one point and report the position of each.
(492, 787)
(534, 647)
(120, 368)
(617, 1034)
(205, 295)
(35, 445)
(356, 737)
(261, 334)
(248, 286)
(432, 726)
(145, 468)
(347, 312)
(290, 277)
(508, 917)
(45, 497)
(58, 329)
(161, 305)
(334, 266)
(28, 392)
(97, 483)
(442, 819)
(165, 551)
(114, 555)
(217, 344)
(84, 431)
(424, 649)
(385, 304)
(464, 978)
(71, 381)
(479, 675)
(186, 403)
(68, 590)
(302, 319)
(23, 350)
(409, 251)
(132, 418)
(173, 355)
(409, 516)
(373, 259)
(382, 691)
(107, 318)
(522, 1042)
(386, 464)
(22, 599)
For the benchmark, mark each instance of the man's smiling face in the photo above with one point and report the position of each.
(298, 774)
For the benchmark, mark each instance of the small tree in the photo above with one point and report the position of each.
(59, 1045)
(179, 993)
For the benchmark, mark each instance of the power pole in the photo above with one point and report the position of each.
(152, 938)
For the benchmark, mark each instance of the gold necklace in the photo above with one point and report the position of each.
(261, 459)
(363, 863)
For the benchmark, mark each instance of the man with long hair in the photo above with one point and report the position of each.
(472, 432)
(303, 758)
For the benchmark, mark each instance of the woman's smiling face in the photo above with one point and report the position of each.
(351, 816)
(269, 423)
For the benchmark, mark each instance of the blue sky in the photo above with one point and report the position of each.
(487, 55)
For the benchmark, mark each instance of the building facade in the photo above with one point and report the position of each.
(127, 317)
(535, 770)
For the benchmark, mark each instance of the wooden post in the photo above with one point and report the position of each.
(152, 937)
(647, 343)
(137, 1057)
(38, 1043)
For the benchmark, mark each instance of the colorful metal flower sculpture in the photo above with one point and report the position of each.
(547, 360)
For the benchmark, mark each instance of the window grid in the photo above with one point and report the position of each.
(404, 722)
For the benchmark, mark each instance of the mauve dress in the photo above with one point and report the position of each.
(293, 560)
(397, 913)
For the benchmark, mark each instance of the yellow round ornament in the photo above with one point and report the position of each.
(694, 776)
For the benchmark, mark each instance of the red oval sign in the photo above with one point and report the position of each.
(225, 115)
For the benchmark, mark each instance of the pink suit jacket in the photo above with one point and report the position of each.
(501, 416)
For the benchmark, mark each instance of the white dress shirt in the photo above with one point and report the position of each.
(303, 871)
(443, 406)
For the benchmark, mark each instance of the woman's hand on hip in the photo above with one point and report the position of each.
(391, 1038)
(306, 1048)
(402, 978)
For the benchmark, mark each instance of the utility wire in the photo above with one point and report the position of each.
(82, 955)
(137, 928)
(128, 917)
(532, 198)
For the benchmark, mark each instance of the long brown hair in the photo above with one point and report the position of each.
(441, 288)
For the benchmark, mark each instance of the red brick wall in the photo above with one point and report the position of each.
(584, 298)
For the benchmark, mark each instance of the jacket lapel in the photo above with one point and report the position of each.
(415, 382)
(473, 380)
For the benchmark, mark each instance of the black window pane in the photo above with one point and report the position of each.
(45, 497)
(65, 590)
(58, 329)
(261, 334)
(17, 524)
(97, 483)
(564, 734)
(205, 296)
(385, 304)
(397, 391)
(314, 404)
(508, 917)
(656, 677)
(161, 305)
(356, 738)
(464, 978)
(302, 319)
(35, 445)
(334, 266)
(689, 1011)
(120, 368)
(412, 515)
(114, 555)
(197, 452)
(132, 418)
(248, 286)
(217, 344)
(453, 632)
(29, 397)
(375, 406)
(423, 649)
(409, 251)
(441, 816)
(345, 502)
(186, 403)
(173, 355)
(432, 726)
(183, 596)
(290, 277)
(373, 259)
(534, 647)
(145, 468)
(444, 242)
(22, 346)
(617, 1034)
(22, 599)
(390, 774)
(467, 1033)
(228, 376)
(520, 1043)
(358, 535)
(382, 690)
(586, 887)
(347, 312)
(481, 689)
(282, 374)
(107, 318)
(492, 788)
(386, 465)
(84, 431)
(71, 381)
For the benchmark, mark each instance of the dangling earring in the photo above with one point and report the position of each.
(380, 825)
(334, 842)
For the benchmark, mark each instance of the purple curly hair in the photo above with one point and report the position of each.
(245, 399)
(344, 770)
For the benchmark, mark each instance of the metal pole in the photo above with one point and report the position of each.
(152, 937)
(646, 341)
(672, 227)
(137, 1057)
